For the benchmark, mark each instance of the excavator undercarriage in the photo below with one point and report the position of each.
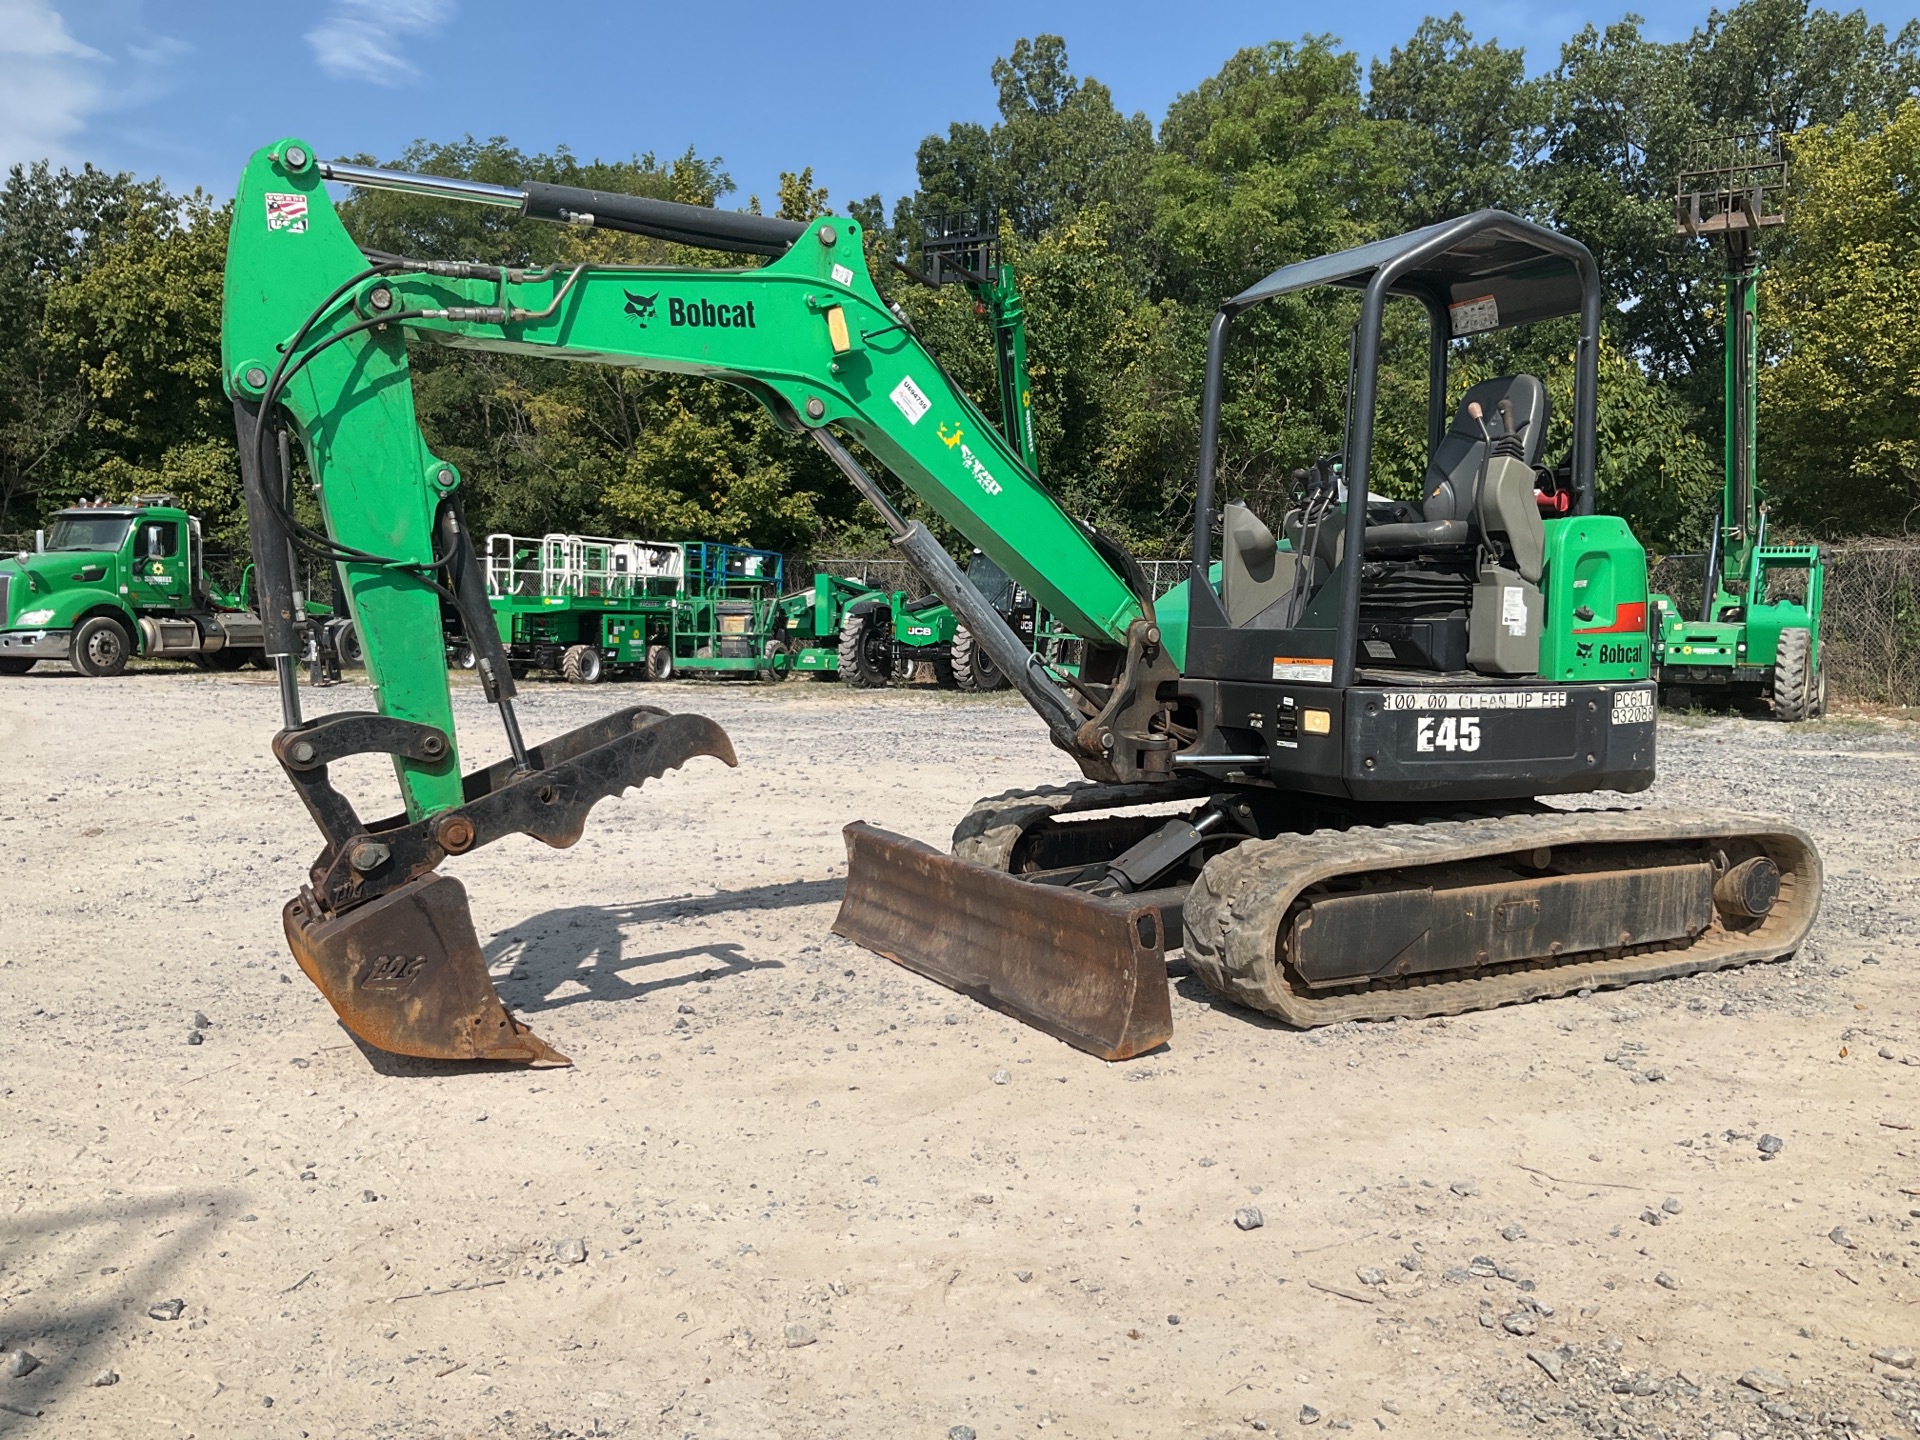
(1317, 914)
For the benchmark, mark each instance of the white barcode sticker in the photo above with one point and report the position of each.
(842, 275)
(910, 400)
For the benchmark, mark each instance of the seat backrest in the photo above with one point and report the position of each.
(1454, 472)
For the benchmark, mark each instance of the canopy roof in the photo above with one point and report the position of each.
(1527, 272)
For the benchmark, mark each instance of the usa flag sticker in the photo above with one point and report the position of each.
(286, 212)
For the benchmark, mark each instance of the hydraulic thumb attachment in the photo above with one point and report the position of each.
(389, 942)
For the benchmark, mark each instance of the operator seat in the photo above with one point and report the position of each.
(1467, 497)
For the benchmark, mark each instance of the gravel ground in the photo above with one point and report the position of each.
(790, 1190)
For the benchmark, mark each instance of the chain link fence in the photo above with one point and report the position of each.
(887, 573)
(1870, 622)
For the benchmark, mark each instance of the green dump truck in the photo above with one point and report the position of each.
(107, 582)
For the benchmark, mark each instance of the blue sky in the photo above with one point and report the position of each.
(185, 90)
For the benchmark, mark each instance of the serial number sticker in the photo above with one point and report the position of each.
(1471, 317)
(1474, 700)
(910, 400)
(286, 212)
(1293, 667)
(842, 275)
(1633, 707)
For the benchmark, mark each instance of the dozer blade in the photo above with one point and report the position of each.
(1089, 970)
(406, 974)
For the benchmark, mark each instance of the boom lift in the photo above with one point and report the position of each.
(1354, 726)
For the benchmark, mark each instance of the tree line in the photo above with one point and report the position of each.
(1125, 235)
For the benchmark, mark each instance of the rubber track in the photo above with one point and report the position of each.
(988, 833)
(1236, 910)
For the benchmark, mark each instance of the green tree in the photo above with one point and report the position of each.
(139, 330)
(1840, 309)
(54, 226)
(1464, 123)
(1059, 147)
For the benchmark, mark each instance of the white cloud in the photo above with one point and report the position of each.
(52, 83)
(362, 39)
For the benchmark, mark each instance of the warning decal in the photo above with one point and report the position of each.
(1299, 667)
(1471, 317)
(286, 212)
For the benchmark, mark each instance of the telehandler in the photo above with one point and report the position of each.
(1317, 764)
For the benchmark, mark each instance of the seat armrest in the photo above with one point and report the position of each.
(1415, 535)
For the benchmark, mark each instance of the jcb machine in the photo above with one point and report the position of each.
(1320, 770)
(1755, 631)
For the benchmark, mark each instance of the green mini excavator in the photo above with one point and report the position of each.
(1318, 765)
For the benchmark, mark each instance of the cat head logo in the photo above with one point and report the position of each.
(1583, 649)
(640, 307)
(955, 438)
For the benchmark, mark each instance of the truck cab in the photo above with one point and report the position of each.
(111, 581)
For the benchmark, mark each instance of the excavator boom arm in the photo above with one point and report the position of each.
(808, 334)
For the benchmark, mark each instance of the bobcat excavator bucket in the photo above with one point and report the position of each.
(391, 943)
(1090, 970)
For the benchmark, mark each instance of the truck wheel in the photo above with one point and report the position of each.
(866, 651)
(15, 664)
(1793, 680)
(346, 643)
(461, 657)
(225, 658)
(100, 647)
(659, 662)
(581, 664)
(774, 661)
(973, 668)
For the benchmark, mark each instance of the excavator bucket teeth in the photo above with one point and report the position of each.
(406, 974)
(1086, 969)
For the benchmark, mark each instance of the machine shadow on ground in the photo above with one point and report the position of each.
(587, 944)
(74, 1341)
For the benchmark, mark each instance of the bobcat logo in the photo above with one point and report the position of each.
(640, 307)
(1583, 649)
